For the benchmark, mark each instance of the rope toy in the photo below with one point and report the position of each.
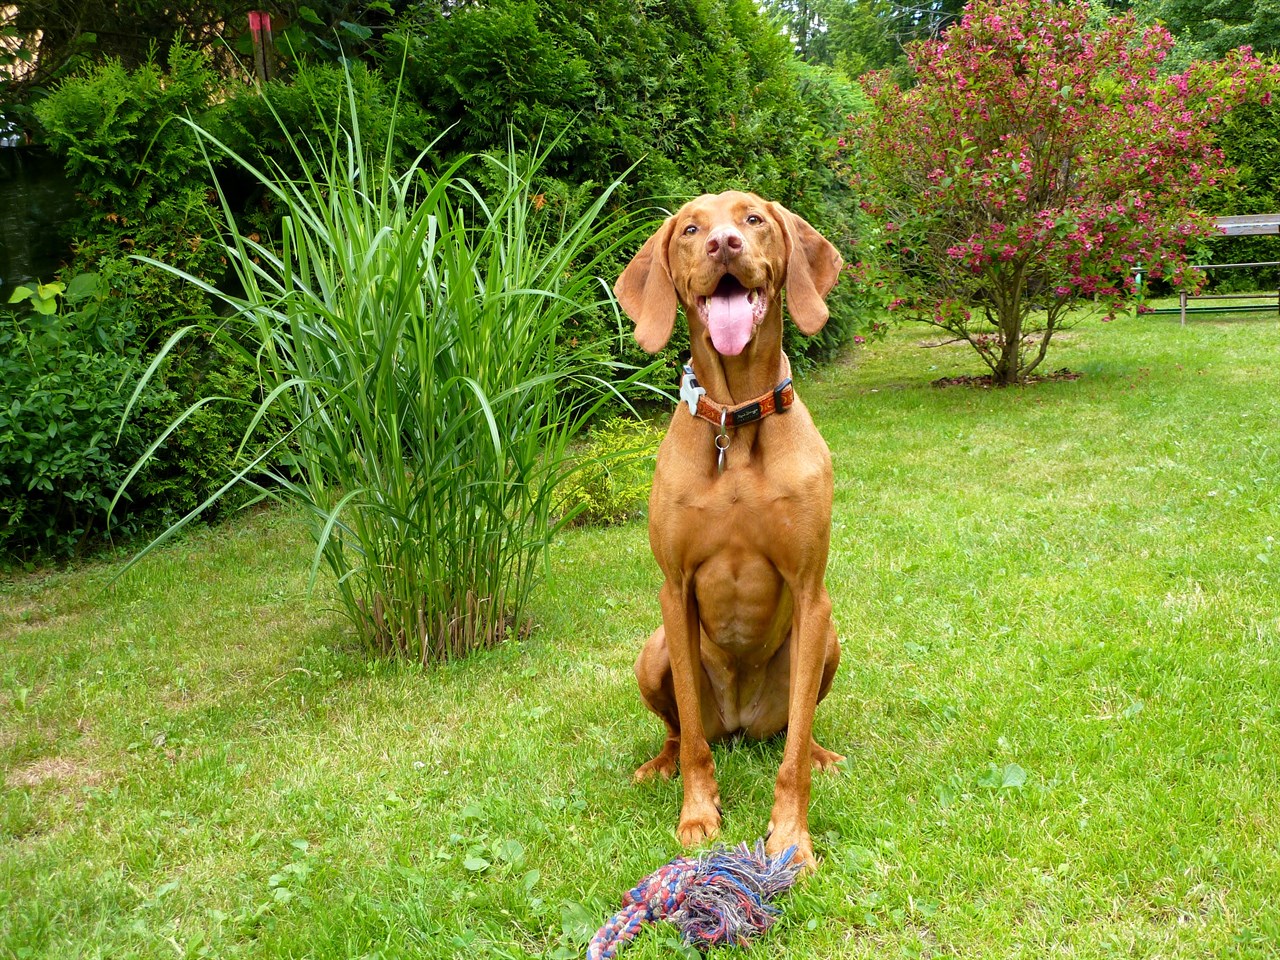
(722, 896)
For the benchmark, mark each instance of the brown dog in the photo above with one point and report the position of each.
(740, 513)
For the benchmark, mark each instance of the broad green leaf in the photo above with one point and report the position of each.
(357, 30)
(1010, 777)
(510, 851)
(82, 286)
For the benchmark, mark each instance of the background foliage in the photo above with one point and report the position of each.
(138, 173)
(678, 99)
(615, 469)
(42, 42)
(141, 191)
(67, 369)
(703, 94)
(59, 405)
(1250, 140)
(860, 35)
(257, 123)
(1207, 30)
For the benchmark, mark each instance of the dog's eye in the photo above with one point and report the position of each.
(755, 219)
(691, 229)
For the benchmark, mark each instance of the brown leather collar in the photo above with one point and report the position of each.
(776, 400)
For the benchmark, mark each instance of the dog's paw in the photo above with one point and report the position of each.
(824, 759)
(664, 765)
(699, 823)
(657, 767)
(778, 841)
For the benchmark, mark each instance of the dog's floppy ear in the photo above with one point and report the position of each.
(813, 267)
(646, 292)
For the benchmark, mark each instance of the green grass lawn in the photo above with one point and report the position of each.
(1059, 698)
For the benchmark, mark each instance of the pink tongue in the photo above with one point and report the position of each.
(730, 322)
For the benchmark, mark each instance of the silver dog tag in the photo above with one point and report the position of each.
(722, 439)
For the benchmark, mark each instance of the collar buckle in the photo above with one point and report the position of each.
(690, 390)
(780, 402)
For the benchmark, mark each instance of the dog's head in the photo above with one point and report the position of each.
(727, 257)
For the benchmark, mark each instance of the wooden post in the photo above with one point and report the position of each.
(259, 54)
(268, 46)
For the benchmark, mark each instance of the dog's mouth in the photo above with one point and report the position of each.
(731, 314)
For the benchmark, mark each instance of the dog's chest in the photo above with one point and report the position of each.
(743, 602)
(734, 512)
(736, 544)
(762, 505)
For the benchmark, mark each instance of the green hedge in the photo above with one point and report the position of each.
(1250, 139)
(140, 182)
(704, 95)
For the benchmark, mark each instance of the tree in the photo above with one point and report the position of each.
(801, 20)
(1032, 165)
(859, 35)
(862, 36)
(1209, 29)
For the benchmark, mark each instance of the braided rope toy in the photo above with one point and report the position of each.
(722, 896)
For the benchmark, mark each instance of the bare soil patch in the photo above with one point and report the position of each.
(59, 770)
(985, 381)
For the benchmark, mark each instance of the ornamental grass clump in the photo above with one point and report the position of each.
(410, 331)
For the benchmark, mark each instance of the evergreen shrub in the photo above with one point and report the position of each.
(678, 99)
(67, 362)
(144, 190)
(615, 472)
(1250, 140)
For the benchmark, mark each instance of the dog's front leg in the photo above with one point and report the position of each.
(789, 822)
(700, 815)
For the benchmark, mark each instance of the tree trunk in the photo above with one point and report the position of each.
(1006, 368)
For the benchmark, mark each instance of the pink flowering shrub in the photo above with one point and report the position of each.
(1034, 164)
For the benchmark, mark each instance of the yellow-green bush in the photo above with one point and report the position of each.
(615, 471)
